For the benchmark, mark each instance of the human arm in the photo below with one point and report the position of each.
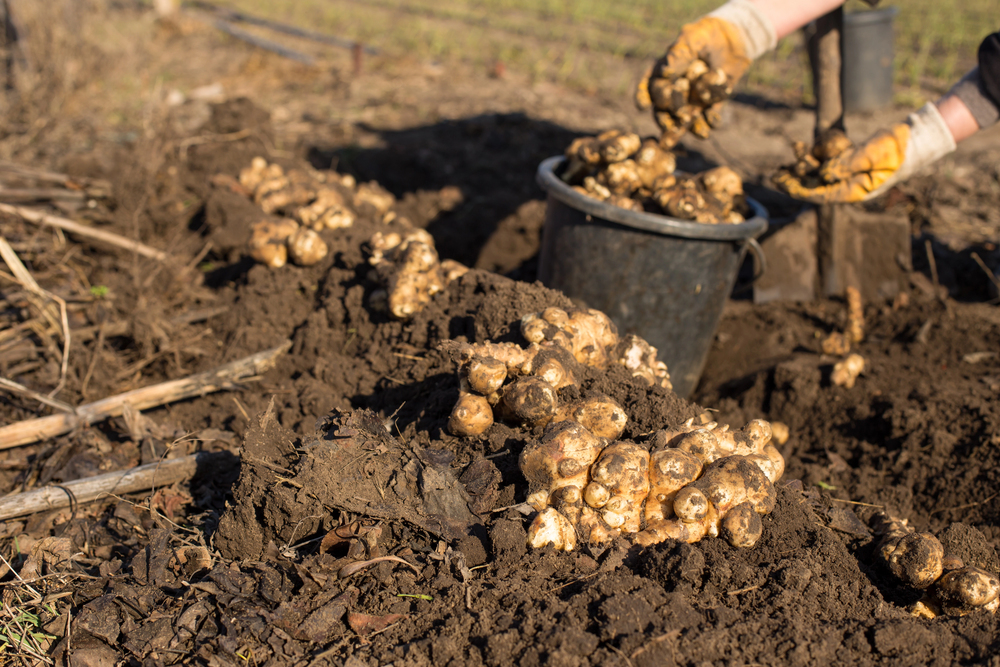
(892, 155)
(688, 85)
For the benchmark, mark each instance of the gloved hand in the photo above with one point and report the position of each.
(686, 87)
(868, 170)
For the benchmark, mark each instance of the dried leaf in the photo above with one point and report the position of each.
(363, 624)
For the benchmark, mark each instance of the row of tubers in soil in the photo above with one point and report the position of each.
(301, 204)
(587, 485)
(405, 262)
(639, 175)
(918, 560)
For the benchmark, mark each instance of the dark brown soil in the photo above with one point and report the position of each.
(343, 455)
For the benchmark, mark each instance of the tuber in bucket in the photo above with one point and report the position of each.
(664, 279)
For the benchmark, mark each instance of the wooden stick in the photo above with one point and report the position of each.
(39, 194)
(17, 388)
(261, 43)
(28, 282)
(43, 218)
(141, 478)
(200, 384)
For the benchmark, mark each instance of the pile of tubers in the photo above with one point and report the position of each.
(685, 484)
(521, 384)
(919, 560)
(691, 102)
(308, 202)
(588, 486)
(408, 267)
(809, 162)
(639, 175)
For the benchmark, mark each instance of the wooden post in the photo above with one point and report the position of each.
(824, 41)
(823, 45)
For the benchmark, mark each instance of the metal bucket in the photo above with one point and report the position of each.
(867, 52)
(664, 279)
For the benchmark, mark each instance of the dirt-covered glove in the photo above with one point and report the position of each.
(687, 86)
(868, 170)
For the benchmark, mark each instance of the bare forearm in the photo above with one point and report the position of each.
(787, 16)
(957, 117)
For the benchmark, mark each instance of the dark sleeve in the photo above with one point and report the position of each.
(989, 67)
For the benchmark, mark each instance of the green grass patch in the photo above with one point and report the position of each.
(588, 43)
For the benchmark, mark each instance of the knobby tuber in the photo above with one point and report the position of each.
(809, 162)
(919, 560)
(310, 201)
(408, 266)
(691, 101)
(686, 483)
(269, 241)
(523, 383)
(846, 371)
(623, 170)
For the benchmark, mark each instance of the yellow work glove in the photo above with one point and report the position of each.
(687, 86)
(868, 170)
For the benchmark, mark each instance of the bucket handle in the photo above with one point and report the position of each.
(761, 262)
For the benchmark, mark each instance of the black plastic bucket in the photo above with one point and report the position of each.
(663, 279)
(867, 48)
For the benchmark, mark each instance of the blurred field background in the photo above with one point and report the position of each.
(585, 43)
(87, 68)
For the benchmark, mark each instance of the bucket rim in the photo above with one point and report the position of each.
(868, 16)
(650, 222)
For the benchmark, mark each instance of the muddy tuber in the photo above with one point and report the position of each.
(618, 168)
(523, 383)
(408, 267)
(682, 102)
(918, 560)
(686, 484)
(846, 371)
(312, 200)
(809, 161)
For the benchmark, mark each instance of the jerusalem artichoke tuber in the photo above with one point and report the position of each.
(846, 371)
(719, 485)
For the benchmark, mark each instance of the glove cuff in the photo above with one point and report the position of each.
(974, 96)
(930, 140)
(757, 32)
